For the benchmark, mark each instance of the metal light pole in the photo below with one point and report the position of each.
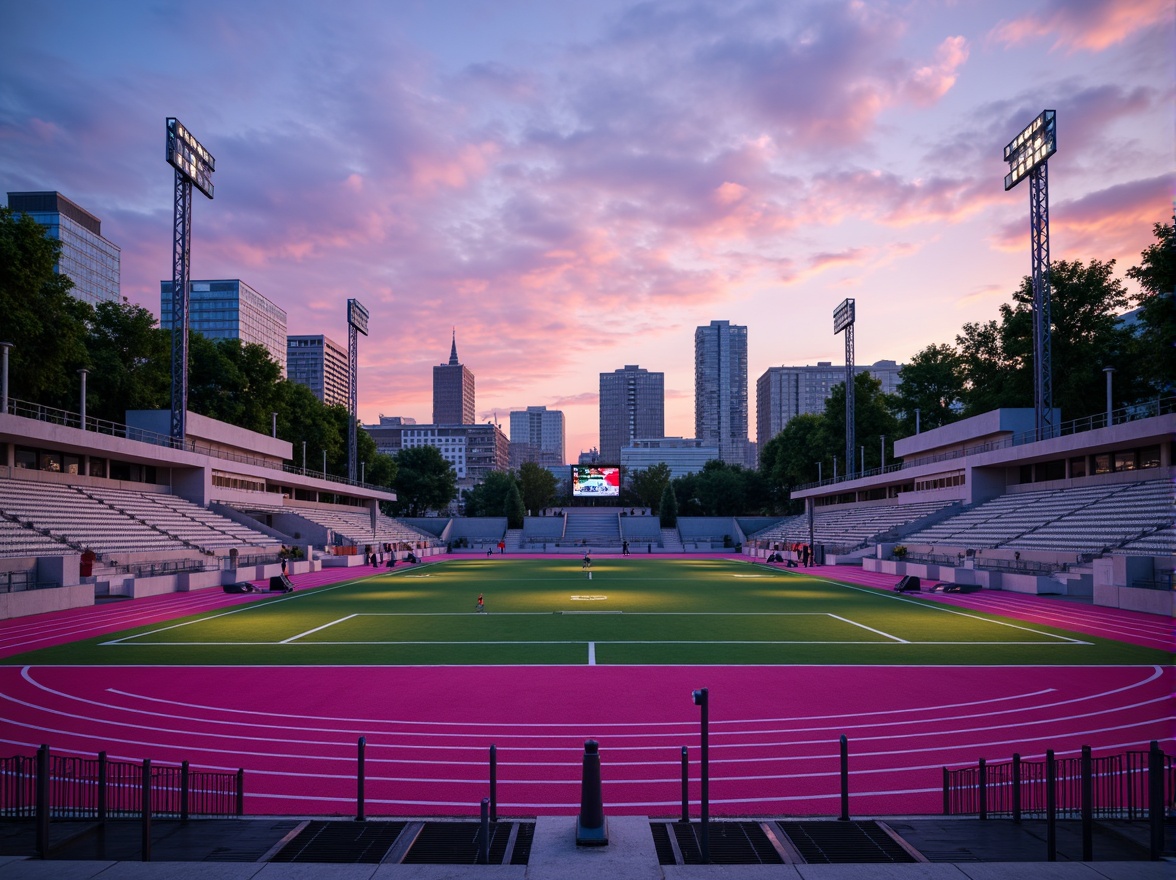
(1027, 155)
(274, 422)
(882, 458)
(702, 700)
(82, 410)
(4, 378)
(1110, 371)
(819, 477)
(304, 458)
(917, 412)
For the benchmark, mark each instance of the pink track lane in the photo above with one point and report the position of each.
(774, 730)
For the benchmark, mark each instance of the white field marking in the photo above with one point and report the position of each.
(588, 598)
(237, 610)
(944, 608)
(592, 653)
(870, 628)
(1156, 672)
(590, 612)
(316, 629)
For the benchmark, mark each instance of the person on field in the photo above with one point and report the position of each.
(481, 607)
(587, 560)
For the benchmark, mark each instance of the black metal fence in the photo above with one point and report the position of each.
(68, 787)
(1118, 786)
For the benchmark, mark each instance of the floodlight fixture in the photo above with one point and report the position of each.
(193, 166)
(357, 322)
(188, 156)
(843, 320)
(1031, 147)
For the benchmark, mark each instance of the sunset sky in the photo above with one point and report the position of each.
(575, 186)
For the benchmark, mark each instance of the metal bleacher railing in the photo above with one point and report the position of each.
(55, 416)
(1119, 786)
(70, 787)
(1150, 409)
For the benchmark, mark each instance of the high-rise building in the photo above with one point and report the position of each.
(720, 390)
(784, 392)
(230, 309)
(682, 455)
(91, 262)
(321, 364)
(537, 434)
(453, 391)
(632, 406)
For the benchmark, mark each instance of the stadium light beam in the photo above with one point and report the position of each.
(193, 165)
(1027, 155)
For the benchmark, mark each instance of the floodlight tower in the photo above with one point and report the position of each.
(194, 165)
(843, 318)
(1027, 154)
(357, 322)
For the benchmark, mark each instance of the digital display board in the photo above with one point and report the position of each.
(595, 481)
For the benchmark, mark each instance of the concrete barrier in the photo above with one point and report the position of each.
(24, 603)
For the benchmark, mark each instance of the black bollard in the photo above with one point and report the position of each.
(493, 783)
(844, 779)
(484, 834)
(1155, 801)
(1051, 807)
(1087, 806)
(359, 780)
(685, 784)
(43, 802)
(146, 810)
(591, 828)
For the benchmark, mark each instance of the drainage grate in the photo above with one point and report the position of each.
(731, 843)
(456, 843)
(521, 854)
(828, 843)
(344, 842)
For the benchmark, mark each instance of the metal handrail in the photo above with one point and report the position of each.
(53, 415)
(1152, 409)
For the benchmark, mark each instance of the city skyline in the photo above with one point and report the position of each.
(578, 186)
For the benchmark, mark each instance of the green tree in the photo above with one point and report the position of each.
(424, 481)
(488, 498)
(649, 485)
(873, 419)
(790, 458)
(1086, 337)
(513, 507)
(131, 362)
(932, 383)
(668, 508)
(538, 486)
(304, 418)
(1155, 345)
(45, 323)
(991, 377)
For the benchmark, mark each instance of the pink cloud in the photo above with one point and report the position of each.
(1089, 25)
(927, 84)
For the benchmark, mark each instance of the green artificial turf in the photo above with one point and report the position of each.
(631, 611)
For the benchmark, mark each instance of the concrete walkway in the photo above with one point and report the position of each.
(239, 849)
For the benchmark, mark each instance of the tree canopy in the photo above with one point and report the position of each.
(424, 481)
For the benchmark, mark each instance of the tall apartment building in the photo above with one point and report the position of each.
(537, 434)
(683, 455)
(322, 365)
(784, 392)
(472, 450)
(720, 390)
(632, 406)
(230, 309)
(91, 262)
(453, 391)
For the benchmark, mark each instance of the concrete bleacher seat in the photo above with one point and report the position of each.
(850, 526)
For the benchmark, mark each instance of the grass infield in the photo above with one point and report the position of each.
(631, 611)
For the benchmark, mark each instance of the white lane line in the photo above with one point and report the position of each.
(316, 629)
(592, 653)
(869, 628)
